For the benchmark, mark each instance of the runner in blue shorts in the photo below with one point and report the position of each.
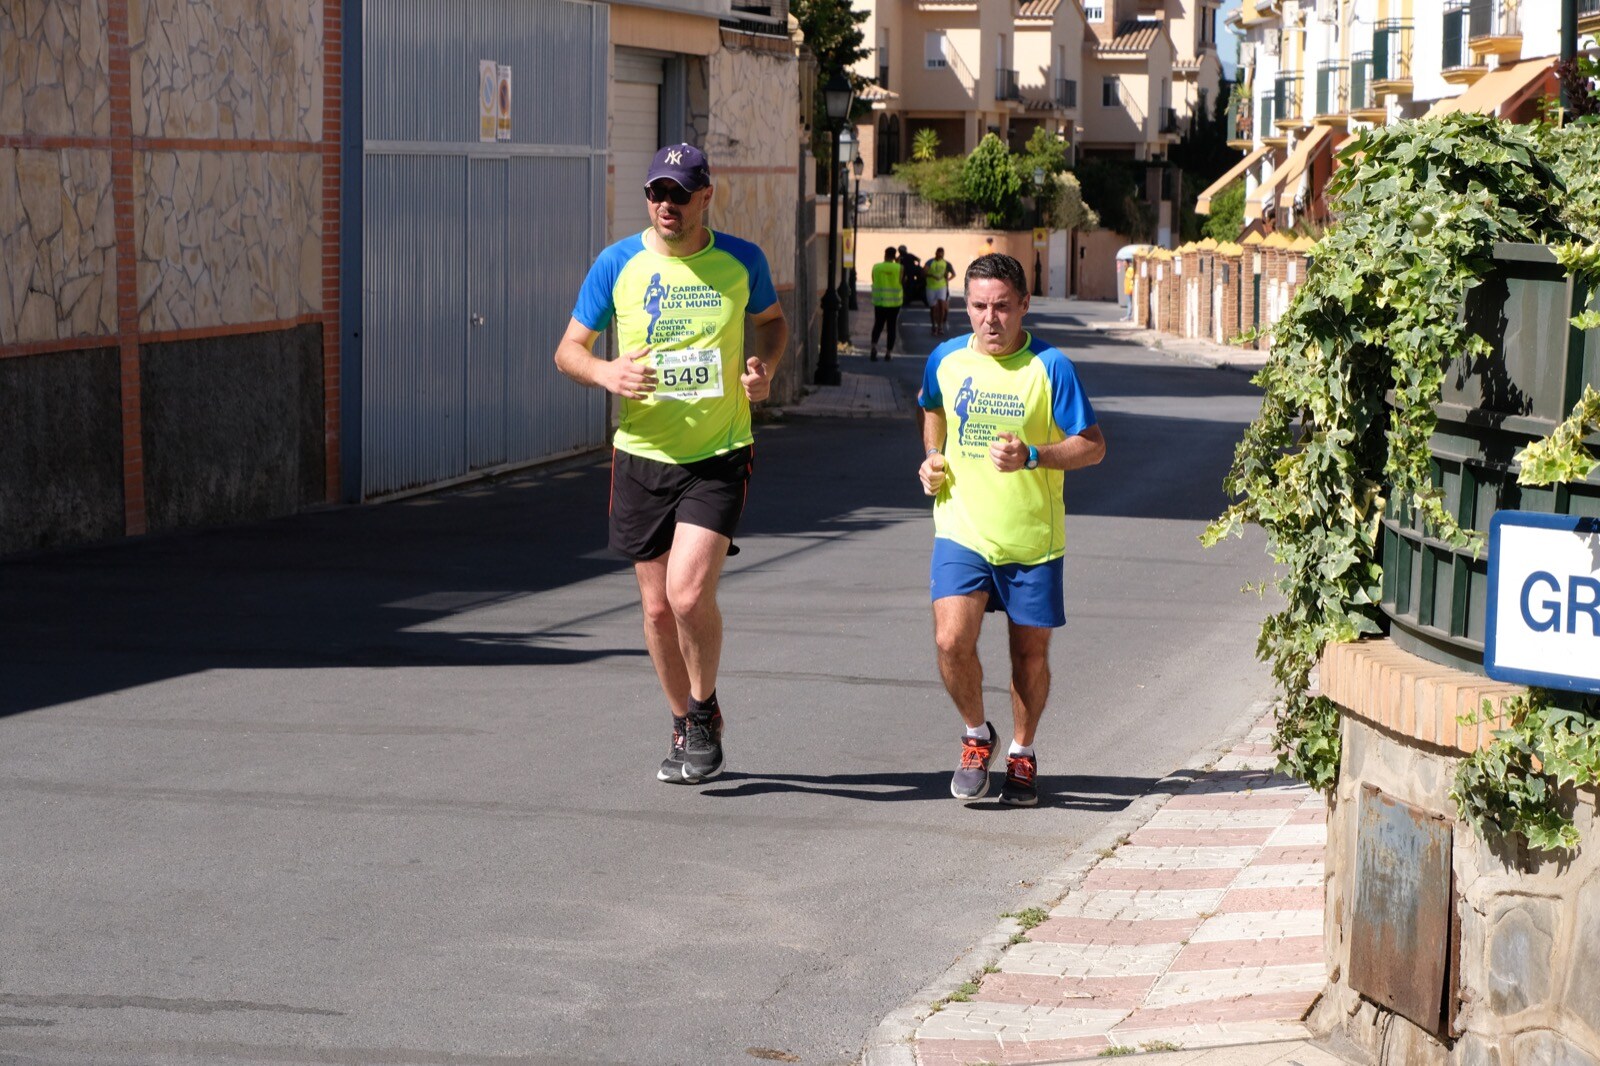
(999, 526)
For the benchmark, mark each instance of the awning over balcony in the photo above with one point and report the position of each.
(1203, 204)
(1502, 90)
(1288, 175)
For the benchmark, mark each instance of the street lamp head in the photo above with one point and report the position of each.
(857, 165)
(847, 147)
(836, 97)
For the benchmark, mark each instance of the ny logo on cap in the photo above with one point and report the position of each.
(674, 157)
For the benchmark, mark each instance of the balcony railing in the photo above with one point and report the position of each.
(1267, 104)
(1067, 90)
(1391, 51)
(1333, 90)
(1005, 85)
(1241, 121)
(1362, 96)
(1169, 119)
(1287, 105)
(1495, 18)
(883, 75)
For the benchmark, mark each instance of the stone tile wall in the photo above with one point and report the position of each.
(752, 138)
(57, 245)
(55, 74)
(226, 238)
(237, 69)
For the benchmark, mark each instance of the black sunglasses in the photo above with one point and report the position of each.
(663, 190)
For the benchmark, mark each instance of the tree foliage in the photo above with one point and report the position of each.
(990, 178)
(1226, 220)
(832, 30)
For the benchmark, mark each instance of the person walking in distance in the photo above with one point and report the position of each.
(938, 273)
(679, 293)
(997, 514)
(887, 296)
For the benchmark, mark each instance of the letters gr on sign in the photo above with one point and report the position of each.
(1543, 625)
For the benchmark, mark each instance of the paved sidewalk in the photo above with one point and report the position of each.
(856, 396)
(1194, 350)
(1200, 928)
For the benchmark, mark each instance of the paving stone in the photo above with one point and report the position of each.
(1181, 857)
(1271, 1006)
(1202, 838)
(1295, 834)
(1102, 877)
(1271, 817)
(1232, 954)
(1089, 960)
(1298, 855)
(1220, 1034)
(1102, 931)
(1271, 899)
(1142, 904)
(1011, 1021)
(1096, 993)
(1191, 987)
(1290, 875)
(1258, 925)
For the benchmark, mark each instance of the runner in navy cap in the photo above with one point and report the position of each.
(682, 163)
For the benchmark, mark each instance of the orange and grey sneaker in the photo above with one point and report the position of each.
(1020, 789)
(971, 779)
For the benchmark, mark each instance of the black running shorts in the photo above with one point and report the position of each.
(649, 498)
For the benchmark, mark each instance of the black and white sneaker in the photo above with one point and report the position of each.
(672, 766)
(702, 747)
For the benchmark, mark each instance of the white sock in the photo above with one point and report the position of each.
(981, 732)
(1018, 749)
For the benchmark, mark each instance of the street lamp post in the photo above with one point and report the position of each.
(1038, 220)
(847, 155)
(836, 96)
(857, 165)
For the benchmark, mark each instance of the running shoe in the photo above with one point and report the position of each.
(672, 765)
(702, 747)
(971, 779)
(1020, 789)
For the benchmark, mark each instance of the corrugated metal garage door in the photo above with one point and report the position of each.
(473, 252)
(635, 129)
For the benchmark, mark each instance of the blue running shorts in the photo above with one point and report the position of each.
(1029, 595)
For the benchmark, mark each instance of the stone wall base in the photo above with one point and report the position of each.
(1529, 923)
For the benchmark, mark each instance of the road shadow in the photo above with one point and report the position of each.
(1068, 791)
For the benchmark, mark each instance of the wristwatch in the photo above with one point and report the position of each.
(1033, 458)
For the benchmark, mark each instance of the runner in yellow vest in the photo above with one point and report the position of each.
(887, 297)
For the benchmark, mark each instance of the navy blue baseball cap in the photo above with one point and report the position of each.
(682, 163)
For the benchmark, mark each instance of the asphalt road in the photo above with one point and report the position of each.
(377, 785)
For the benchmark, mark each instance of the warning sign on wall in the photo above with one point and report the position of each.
(488, 99)
(502, 108)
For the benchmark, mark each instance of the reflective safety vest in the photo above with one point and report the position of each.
(886, 290)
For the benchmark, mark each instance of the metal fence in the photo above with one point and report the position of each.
(907, 210)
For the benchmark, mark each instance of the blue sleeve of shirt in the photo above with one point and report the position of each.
(1069, 404)
(762, 292)
(595, 299)
(929, 398)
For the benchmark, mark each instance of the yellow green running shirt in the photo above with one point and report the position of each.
(1034, 393)
(690, 312)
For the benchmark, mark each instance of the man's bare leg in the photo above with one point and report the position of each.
(693, 572)
(661, 633)
(957, 621)
(1030, 679)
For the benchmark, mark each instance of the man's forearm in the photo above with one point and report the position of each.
(578, 363)
(771, 340)
(933, 429)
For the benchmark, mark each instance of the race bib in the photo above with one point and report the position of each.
(688, 373)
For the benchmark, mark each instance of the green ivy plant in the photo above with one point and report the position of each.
(1356, 365)
(1520, 785)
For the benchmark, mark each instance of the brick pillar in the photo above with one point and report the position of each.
(1228, 265)
(332, 144)
(1141, 290)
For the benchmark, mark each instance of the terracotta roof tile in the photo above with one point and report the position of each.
(1037, 9)
(1132, 38)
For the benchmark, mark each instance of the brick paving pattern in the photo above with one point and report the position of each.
(1203, 929)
